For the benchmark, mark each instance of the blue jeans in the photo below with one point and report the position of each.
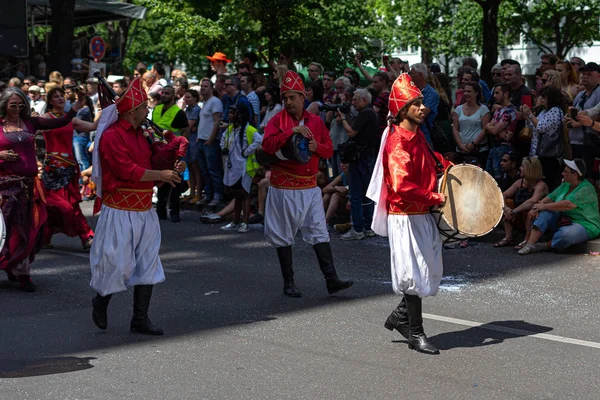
(335, 164)
(493, 162)
(361, 207)
(211, 166)
(565, 236)
(80, 148)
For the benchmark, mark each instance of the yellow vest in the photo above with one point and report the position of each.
(252, 164)
(165, 120)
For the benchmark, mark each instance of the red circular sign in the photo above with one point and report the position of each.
(97, 47)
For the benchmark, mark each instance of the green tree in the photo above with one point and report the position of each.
(557, 26)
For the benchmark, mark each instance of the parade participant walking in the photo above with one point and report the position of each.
(294, 200)
(60, 175)
(125, 251)
(403, 186)
(23, 201)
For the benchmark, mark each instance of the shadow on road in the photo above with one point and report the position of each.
(43, 366)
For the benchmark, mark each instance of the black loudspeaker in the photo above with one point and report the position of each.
(13, 30)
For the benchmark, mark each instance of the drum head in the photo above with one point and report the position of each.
(474, 202)
(300, 147)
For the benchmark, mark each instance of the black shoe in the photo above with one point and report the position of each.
(416, 334)
(99, 311)
(140, 322)
(145, 327)
(256, 219)
(11, 277)
(25, 283)
(398, 319)
(175, 218)
(335, 285)
(290, 290)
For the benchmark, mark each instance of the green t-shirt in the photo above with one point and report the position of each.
(585, 198)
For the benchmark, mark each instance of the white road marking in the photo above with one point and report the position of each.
(520, 332)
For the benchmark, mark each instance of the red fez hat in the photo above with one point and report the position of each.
(403, 91)
(134, 97)
(292, 83)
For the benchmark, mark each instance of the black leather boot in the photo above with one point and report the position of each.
(99, 310)
(140, 322)
(287, 271)
(416, 335)
(398, 319)
(325, 258)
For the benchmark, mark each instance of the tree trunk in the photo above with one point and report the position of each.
(490, 38)
(61, 40)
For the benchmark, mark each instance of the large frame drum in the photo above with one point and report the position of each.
(474, 203)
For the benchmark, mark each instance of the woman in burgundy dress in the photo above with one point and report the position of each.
(22, 195)
(60, 175)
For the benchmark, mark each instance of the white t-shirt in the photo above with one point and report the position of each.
(206, 121)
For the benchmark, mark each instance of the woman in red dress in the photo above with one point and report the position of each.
(60, 175)
(22, 195)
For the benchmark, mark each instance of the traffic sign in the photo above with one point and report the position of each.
(97, 48)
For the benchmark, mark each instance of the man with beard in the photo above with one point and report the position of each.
(294, 200)
(403, 186)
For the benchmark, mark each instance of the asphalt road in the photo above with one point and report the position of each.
(509, 327)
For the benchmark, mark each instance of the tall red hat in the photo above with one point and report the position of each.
(292, 83)
(134, 97)
(403, 91)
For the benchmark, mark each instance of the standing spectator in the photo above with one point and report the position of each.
(81, 139)
(381, 84)
(431, 99)
(548, 61)
(460, 75)
(251, 59)
(485, 90)
(470, 118)
(218, 63)
(569, 79)
(497, 75)
(274, 106)
(151, 84)
(27, 83)
(339, 135)
(502, 130)
(158, 69)
(119, 86)
(551, 77)
(328, 89)
(242, 69)
(181, 86)
(92, 89)
(233, 97)
(247, 84)
(363, 131)
(14, 82)
(314, 72)
(38, 105)
(209, 154)
(168, 116)
(192, 112)
(314, 95)
(579, 136)
(547, 140)
(519, 95)
(577, 63)
(177, 73)
(219, 86)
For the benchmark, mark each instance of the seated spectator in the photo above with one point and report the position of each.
(469, 120)
(335, 196)
(510, 165)
(263, 180)
(519, 199)
(547, 140)
(214, 218)
(570, 212)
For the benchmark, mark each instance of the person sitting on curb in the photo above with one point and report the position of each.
(570, 212)
(335, 195)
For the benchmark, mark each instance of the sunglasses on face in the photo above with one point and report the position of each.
(15, 106)
(497, 74)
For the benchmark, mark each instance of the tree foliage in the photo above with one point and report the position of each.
(557, 24)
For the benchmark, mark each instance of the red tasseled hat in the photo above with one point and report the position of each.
(134, 97)
(292, 83)
(403, 91)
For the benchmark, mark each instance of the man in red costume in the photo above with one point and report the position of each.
(403, 186)
(125, 249)
(294, 200)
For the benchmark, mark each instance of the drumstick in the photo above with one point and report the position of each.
(444, 178)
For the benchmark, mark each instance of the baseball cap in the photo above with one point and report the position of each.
(34, 88)
(573, 165)
(590, 67)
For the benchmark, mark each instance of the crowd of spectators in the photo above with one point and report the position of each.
(520, 134)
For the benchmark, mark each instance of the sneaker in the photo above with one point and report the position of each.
(202, 201)
(530, 248)
(243, 228)
(369, 233)
(214, 202)
(342, 228)
(231, 227)
(353, 235)
(210, 218)
(256, 219)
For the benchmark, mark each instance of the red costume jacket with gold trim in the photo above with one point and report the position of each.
(125, 155)
(290, 174)
(410, 173)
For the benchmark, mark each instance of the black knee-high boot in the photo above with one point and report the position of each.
(398, 319)
(287, 271)
(325, 257)
(140, 322)
(416, 334)
(100, 310)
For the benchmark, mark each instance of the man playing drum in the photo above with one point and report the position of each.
(294, 200)
(403, 186)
